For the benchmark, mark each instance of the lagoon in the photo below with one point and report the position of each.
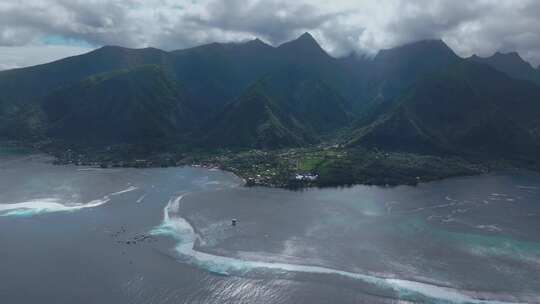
(88, 235)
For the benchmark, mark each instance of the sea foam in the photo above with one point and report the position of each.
(182, 231)
(51, 205)
(46, 205)
(129, 189)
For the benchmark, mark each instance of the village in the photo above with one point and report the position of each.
(293, 168)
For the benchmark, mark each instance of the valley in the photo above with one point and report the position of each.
(269, 114)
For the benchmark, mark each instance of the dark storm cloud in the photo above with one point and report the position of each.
(423, 19)
(365, 26)
(275, 21)
(236, 20)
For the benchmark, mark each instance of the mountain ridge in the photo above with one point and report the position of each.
(141, 103)
(420, 97)
(510, 63)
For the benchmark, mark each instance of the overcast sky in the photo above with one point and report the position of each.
(37, 31)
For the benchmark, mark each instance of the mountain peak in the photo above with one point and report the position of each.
(114, 49)
(110, 48)
(423, 49)
(432, 44)
(510, 63)
(257, 43)
(307, 37)
(305, 40)
(305, 45)
(503, 58)
(511, 56)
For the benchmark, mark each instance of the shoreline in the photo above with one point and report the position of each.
(246, 180)
(292, 169)
(225, 264)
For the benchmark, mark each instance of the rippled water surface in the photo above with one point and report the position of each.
(84, 235)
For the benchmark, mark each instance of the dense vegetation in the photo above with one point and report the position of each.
(511, 64)
(429, 110)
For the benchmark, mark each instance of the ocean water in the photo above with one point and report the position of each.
(86, 235)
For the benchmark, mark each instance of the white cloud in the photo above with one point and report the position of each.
(21, 56)
(473, 26)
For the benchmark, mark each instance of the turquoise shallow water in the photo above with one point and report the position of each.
(65, 232)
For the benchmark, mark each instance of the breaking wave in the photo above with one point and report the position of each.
(182, 231)
(51, 205)
(129, 189)
(46, 205)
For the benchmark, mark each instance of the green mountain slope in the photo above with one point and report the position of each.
(511, 64)
(418, 97)
(382, 79)
(395, 69)
(254, 120)
(27, 84)
(218, 72)
(305, 57)
(469, 108)
(313, 102)
(129, 105)
(22, 122)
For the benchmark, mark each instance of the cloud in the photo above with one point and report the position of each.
(342, 26)
(22, 56)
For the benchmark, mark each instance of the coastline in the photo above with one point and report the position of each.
(174, 221)
(295, 168)
(267, 169)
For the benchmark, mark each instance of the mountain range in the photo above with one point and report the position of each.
(420, 97)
